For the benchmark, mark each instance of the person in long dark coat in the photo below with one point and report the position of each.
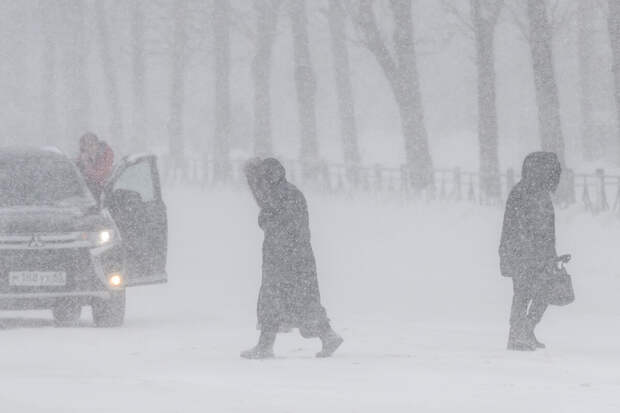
(289, 295)
(527, 249)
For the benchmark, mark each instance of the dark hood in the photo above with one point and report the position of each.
(541, 171)
(273, 171)
(37, 220)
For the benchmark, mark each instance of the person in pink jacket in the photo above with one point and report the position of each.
(96, 162)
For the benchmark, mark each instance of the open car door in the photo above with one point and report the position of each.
(133, 197)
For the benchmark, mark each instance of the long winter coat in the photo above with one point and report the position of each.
(528, 234)
(289, 295)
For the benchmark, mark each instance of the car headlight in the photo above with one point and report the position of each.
(100, 238)
(104, 236)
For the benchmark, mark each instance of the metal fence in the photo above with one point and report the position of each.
(595, 193)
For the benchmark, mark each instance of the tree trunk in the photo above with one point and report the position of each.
(221, 142)
(614, 36)
(75, 52)
(266, 23)
(177, 90)
(591, 142)
(407, 90)
(116, 123)
(49, 127)
(138, 141)
(84, 111)
(544, 79)
(305, 83)
(344, 89)
(484, 31)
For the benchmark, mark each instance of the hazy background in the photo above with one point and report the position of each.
(47, 45)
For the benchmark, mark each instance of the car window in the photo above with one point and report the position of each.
(137, 178)
(40, 181)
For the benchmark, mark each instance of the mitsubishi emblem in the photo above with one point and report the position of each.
(36, 242)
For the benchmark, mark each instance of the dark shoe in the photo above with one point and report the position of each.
(257, 353)
(264, 348)
(520, 340)
(514, 345)
(330, 345)
(531, 325)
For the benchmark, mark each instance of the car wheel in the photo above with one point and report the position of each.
(66, 312)
(110, 312)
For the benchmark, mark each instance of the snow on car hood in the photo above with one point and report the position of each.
(29, 220)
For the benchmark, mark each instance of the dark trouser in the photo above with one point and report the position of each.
(527, 308)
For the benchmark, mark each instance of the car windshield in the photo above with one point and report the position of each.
(41, 181)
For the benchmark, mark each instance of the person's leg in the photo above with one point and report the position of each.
(330, 341)
(518, 338)
(264, 348)
(535, 314)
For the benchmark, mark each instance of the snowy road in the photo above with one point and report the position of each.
(413, 290)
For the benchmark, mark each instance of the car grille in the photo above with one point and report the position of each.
(75, 262)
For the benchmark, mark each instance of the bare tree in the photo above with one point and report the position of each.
(540, 37)
(75, 53)
(401, 72)
(177, 87)
(266, 24)
(586, 45)
(107, 63)
(614, 37)
(49, 127)
(221, 141)
(484, 18)
(344, 89)
(138, 140)
(305, 82)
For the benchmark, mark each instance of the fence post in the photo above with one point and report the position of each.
(324, 177)
(442, 186)
(404, 180)
(585, 197)
(365, 179)
(378, 178)
(571, 194)
(617, 201)
(472, 192)
(603, 204)
(352, 171)
(458, 190)
(391, 186)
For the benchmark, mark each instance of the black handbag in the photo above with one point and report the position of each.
(557, 287)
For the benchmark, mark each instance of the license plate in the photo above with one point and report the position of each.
(37, 278)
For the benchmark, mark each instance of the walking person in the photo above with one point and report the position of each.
(289, 294)
(527, 249)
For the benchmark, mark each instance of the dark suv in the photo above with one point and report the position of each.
(61, 249)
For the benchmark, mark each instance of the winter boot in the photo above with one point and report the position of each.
(519, 340)
(331, 341)
(531, 326)
(264, 348)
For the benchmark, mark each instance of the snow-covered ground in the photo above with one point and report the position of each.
(414, 289)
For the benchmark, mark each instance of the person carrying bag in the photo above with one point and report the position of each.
(527, 250)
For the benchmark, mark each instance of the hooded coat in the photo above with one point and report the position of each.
(289, 294)
(528, 234)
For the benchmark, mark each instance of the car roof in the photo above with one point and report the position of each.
(34, 152)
